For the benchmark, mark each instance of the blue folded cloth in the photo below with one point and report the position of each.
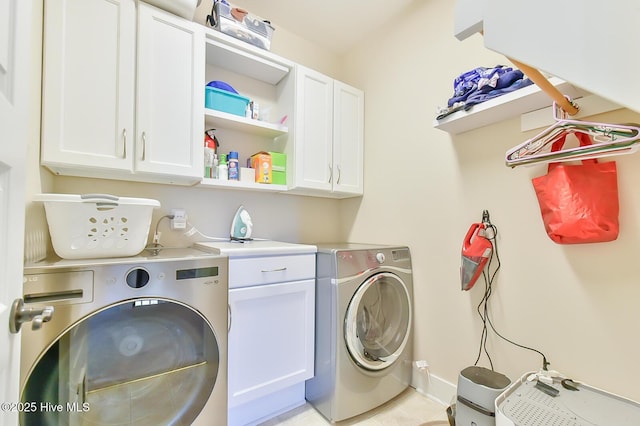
(481, 84)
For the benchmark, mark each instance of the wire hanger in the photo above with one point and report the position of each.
(608, 140)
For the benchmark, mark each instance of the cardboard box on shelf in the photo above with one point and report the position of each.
(261, 162)
(278, 168)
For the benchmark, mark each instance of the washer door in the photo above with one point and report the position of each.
(139, 362)
(378, 321)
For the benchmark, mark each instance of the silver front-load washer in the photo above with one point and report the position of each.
(132, 341)
(364, 340)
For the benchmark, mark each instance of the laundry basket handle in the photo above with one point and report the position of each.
(99, 197)
(102, 201)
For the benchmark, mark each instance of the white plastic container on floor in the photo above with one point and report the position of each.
(97, 225)
(522, 403)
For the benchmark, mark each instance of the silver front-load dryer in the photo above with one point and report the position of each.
(137, 341)
(364, 340)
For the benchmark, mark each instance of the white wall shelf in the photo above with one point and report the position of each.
(589, 105)
(242, 58)
(239, 185)
(221, 119)
(507, 106)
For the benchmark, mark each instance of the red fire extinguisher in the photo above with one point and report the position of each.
(476, 252)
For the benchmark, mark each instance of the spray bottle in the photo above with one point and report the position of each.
(223, 171)
(211, 145)
(209, 155)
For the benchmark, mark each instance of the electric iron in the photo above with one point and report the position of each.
(476, 252)
(241, 226)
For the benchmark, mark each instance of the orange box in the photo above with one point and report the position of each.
(261, 162)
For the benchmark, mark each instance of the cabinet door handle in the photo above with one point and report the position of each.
(338, 181)
(124, 143)
(229, 317)
(144, 146)
(330, 173)
(284, 268)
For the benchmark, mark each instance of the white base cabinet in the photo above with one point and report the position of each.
(271, 335)
(122, 92)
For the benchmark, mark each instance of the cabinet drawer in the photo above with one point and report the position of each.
(251, 271)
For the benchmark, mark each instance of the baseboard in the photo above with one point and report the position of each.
(432, 386)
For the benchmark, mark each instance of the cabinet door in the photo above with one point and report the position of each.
(348, 139)
(88, 84)
(170, 89)
(313, 130)
(271, 338)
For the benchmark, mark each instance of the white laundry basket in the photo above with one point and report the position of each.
(97, 225)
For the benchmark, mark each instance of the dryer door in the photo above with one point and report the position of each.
(138, 362)
(378, 321)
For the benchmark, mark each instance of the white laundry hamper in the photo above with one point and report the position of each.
(97, 225)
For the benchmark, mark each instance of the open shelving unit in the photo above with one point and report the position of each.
(242, 58)
(250, 126)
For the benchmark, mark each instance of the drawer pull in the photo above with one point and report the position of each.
(284, 268)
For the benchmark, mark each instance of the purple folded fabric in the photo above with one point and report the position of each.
(222, 86)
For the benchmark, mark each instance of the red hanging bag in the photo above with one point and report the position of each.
(579, 202)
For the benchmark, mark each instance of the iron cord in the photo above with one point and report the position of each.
(483, 306)
(167, 216)
(155, 244)
(192, 230)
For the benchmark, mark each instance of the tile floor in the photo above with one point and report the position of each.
(410, 408)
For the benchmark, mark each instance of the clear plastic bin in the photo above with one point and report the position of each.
(245, 27)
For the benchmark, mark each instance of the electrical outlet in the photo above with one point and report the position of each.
(422, 365)
(179, 220)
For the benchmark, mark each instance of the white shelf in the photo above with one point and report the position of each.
(238, 185)
(220, 120)
(510, 105)
(242, 58)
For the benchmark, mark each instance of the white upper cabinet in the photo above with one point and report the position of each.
(88, 84)
(328, 137)
(111, 114)
(348, 139)
(124, 98)
(170, 101)
(313, 130)
(590, 44)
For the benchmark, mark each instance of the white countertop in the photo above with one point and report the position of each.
(255, 248)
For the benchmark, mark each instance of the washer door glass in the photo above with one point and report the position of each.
(140, 362)
(378, 321)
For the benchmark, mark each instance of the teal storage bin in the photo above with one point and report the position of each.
(222, 100)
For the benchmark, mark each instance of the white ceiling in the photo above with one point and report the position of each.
(334, 24)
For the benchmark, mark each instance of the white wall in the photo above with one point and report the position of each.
(424, 187)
